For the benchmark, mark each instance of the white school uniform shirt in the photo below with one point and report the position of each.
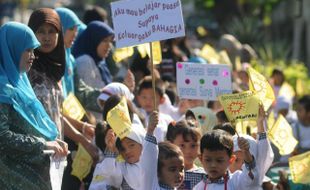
(149, 161)
(262, 152)
(239, 180)
(117, 170)
(162, 126)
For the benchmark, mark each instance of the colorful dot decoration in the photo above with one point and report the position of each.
(214, 82)
(201, 81)
(187, 81)
(225, 73)
(180, 66)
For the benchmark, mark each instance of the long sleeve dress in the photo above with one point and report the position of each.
(23, 166)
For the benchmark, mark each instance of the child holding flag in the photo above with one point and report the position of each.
(146, 101)
(163, 164)
(216, 156)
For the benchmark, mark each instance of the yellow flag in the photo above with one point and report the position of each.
(201, 31)
(241, 106)
(209, 54)
(259, 84)
(223, 58)
(142, 49)
(270, 120)
(82, 163)
(246, 127)
(287, 90)
(73, 108)
(122, 53)
(281, 135)
(119, 120)
(300, 168)
(156, 52)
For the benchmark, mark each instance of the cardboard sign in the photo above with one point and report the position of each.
(203, 81)
(240, 107)
(137, 22)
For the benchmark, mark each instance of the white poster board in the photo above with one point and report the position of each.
(141, 21)
(203, 81)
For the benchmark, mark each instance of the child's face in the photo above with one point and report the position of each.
(172, 171)
(237, 163)
(302, 114)
(189, 148)
(215, 163)
(131, 150)
(145, 99)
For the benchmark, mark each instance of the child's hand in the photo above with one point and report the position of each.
(110, 139)
(129, 81)
(153, 121)
(244, 146)
(283, 183)
(260, 119)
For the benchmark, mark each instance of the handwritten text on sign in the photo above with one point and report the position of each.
(136, 22)
(201, 81)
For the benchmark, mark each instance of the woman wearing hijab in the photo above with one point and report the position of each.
(46, 74)
(70, 23)
(25, 127)
(94, 46)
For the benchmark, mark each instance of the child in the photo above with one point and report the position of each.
(301, 129)
(121, 172)
(216, 155)
(146, 102)
(187, 138)
(163, 165)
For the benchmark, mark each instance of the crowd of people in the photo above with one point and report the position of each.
(173, 143)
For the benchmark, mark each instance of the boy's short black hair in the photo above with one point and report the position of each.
(146, 83)
(187, 131)
(305, 102)
(167, 150)
(217, 140)
(225, 127)
(221, 116)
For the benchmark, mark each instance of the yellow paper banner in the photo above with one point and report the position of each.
(156, 52)
(286, 90)
(73, 108)
(281, 135)
(240, 107)
(209, 54)
(246, 127)
(271, 120)
(301, 87)
(82, 163)
(122, 53)
(119, 119)
(300, 168)
(259, 84)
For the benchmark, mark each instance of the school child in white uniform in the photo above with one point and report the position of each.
(216, 155)
(146, 102)
(187, 137)
(162, 165)
(260, 149)
(125, 172)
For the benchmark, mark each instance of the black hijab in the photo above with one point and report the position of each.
(53, 63)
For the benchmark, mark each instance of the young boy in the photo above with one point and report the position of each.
(301, 129)
(216, 155)
(146, 101)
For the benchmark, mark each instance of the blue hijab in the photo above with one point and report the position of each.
(68, 20)
(88, 42)
(15, 88)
